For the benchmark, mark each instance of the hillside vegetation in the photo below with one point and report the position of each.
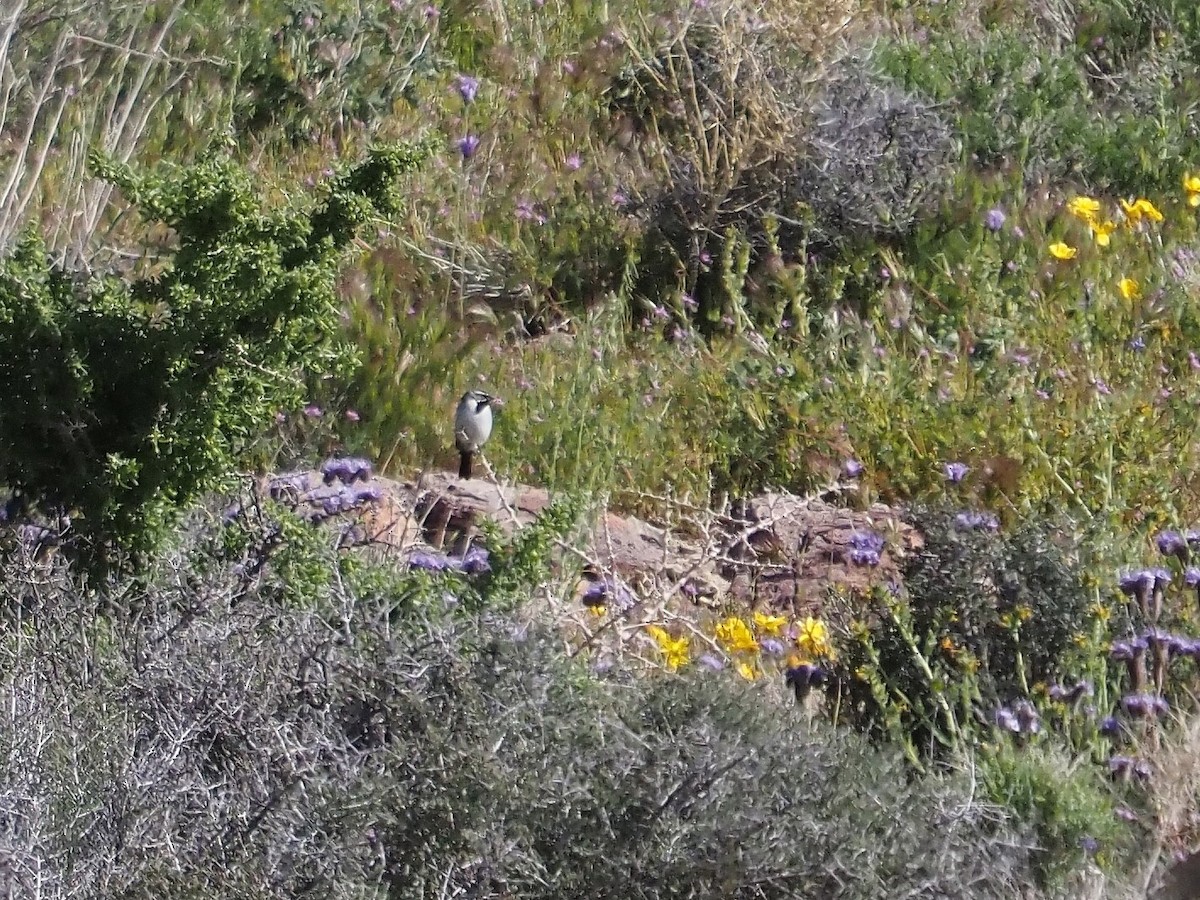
(940, 255)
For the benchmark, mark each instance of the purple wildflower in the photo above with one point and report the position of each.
(467, 87)
(1143, 706)
(803, 678)
(573, 162)
(771, 646)
(994, 220)
(852, 468)
(1172, 543)
(1027, 716)
(313, 411)
(476, 561)
(1089, 845)
(1110, 726)
(711, 661)
(1124, 766)
(467, 145)
(971, 520)
(346, 469)
(352, 415)
(1063, 694)
(1007, 720)
(865, 548)
(955, 471)
(430, 562)
(1124, 651)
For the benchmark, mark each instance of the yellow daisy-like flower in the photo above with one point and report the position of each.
(1084, 208)
(1129, 288)
(747, 671)
(735, 635)
(675, 651)
(770, 625)
(1101, 612)
(1059, 250)
(813, 638)
(1102, 231)
(1191, 184)
(598, 611)
(1139, 209)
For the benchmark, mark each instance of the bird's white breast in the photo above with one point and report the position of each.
(472, 425)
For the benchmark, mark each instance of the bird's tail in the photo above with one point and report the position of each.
(465, 459)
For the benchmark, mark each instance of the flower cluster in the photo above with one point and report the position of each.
(475, 561)
(675, 650)
(1021, 718)
(866, 548)
(347, 469)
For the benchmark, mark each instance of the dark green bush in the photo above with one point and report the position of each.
(984, 616)
(130, 398)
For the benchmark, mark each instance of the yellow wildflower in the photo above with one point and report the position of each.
(599, 611)
(1191, 184)
(735, 635)
(1101, 612)
(1102, 232)
(675, 651)
(747, 671)
(770, 625)
(1084, 208)
(813, 638)
(1129, 288)
(1139, 209)
(948, 646)
(1059, 250)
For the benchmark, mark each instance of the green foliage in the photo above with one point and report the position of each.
(984, 617)
(130, 398)
(1030, 104)
(1070, 807)
(316, 68)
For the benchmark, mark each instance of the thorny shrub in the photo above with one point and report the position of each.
(185, 744)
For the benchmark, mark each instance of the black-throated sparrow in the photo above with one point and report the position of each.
(472, 427)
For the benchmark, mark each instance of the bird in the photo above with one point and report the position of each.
(472, 427)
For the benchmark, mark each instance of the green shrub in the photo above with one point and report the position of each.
(131, 398)
(1069, 806)
(984, 618)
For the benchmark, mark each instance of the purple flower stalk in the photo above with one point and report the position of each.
(1144, 706)
(1125, 766)
(1172, 543)
(1124, 651)
(467, 87)
(1020, 718)
(467, 145)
